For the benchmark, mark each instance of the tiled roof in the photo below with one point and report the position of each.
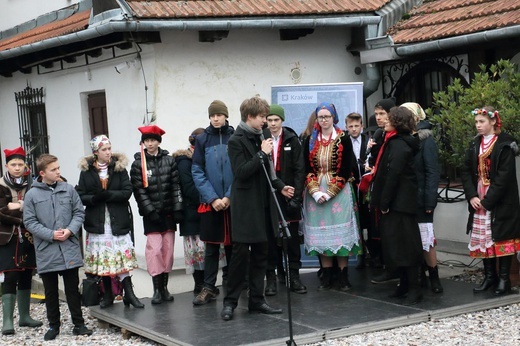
(74, 23)
(439, 19)
(168, 9)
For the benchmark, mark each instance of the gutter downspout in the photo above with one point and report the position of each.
(389, 14)
(459, 41)
(103, 29)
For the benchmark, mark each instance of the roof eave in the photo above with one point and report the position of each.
(413, 49)
(105, 28)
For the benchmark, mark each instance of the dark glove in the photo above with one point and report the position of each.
(155, 217)
(100, 196)
(294, 205)
(177, 216)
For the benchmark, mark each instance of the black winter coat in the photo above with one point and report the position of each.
(163, 194)
(428, 173)
(394, 186)
(292, 173)
(119, 191)
(190, 224)
(253, 205)
(502, 196)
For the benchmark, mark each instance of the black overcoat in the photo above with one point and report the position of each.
(292, 172)
(253, 211)
(502, 197)
(428, 173)
(119, 191)
(190, 224)
(394, 189)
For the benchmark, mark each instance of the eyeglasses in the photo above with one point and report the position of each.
(324, 117)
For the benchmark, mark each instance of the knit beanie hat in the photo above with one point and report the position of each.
(386, 104)
(218, 107)
(153, 131)
(277, 110)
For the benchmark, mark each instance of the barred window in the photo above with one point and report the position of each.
(32, 123)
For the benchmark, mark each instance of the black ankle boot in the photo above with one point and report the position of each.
(129, 296)
(296, 284)
(490, 275)
(157, 281)
(344, 284)
(414, 295)
(166, 296)
(108, 296)
(325, 279)
(270, 284)
(435, 282)
(504, 282)
(198, 278)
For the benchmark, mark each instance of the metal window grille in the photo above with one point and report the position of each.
(32, 123)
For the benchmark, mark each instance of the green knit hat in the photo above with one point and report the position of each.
(218, 107)
(277, 110)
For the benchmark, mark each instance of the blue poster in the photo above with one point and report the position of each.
(299, 101)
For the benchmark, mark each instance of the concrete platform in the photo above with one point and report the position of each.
(316, 316)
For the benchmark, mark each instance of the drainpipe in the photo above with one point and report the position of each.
(373, 77)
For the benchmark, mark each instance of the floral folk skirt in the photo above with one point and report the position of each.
(109, 255)
(332, 228)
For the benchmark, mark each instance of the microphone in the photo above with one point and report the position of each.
(376, 137)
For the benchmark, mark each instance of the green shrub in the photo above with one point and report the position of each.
(497, 86)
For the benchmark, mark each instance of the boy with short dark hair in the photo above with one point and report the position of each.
(254, 212)
(53, 213)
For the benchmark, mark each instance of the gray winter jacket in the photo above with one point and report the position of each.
(46, 210)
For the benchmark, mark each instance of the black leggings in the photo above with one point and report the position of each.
(22, 278)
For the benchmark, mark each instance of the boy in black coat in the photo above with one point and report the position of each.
(288, 164)
(253, 213)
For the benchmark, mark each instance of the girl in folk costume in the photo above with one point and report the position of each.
(491, 188)
(331, 226)
(105, 188)
(17, 259)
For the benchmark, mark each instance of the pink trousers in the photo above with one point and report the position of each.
(159, 252)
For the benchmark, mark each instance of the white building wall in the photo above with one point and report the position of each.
(15, 12)
(183, 77)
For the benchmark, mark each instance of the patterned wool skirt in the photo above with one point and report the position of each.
(481, 244)
(331, 228)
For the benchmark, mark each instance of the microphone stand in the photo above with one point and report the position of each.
(286, 234)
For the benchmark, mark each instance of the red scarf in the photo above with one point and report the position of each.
(278, 152)
(388, 135)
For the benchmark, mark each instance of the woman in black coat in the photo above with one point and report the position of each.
(105, 188)
(491, 188)
(428, 176)
(394, 198)
(190, 224)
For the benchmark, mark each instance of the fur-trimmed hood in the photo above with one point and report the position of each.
(183, 152)
(120, 160)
